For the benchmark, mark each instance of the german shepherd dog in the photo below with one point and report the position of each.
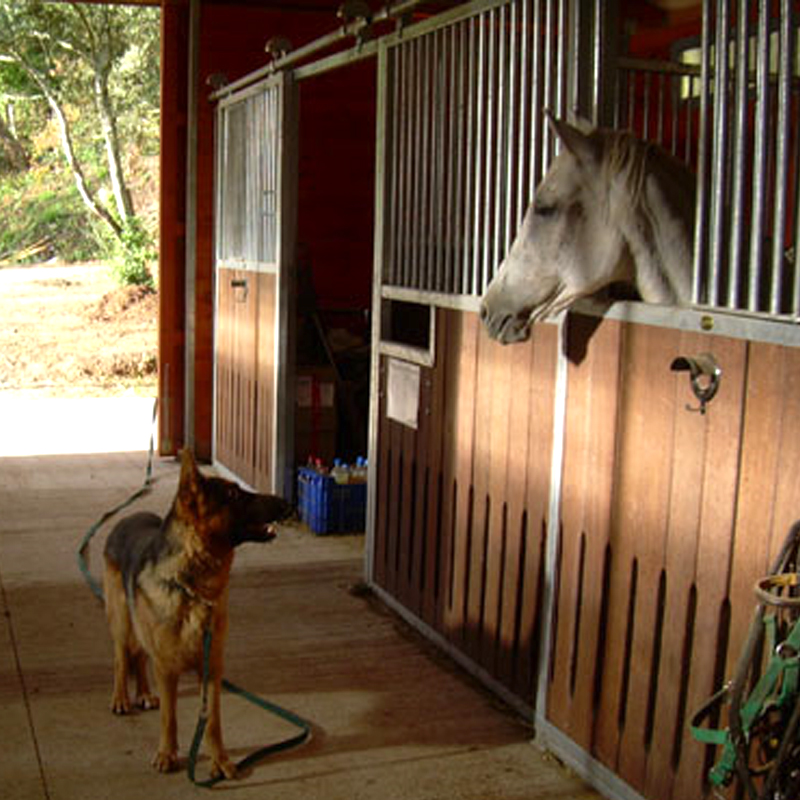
(166, 584)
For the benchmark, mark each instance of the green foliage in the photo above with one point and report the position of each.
(53, 57)
(134, 255)
(43, 217)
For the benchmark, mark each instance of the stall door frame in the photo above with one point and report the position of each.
(249, 262)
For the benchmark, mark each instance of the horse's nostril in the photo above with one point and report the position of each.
(484, 312)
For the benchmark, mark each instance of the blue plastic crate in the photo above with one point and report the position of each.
(330, 507)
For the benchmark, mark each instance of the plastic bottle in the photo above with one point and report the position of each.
(358, 474)
(339, 472)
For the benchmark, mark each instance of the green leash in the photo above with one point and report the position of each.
(97, 590)
(257, 755)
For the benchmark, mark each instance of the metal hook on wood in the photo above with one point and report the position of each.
(704, 375)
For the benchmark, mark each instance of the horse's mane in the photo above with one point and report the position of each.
(624, 156)
(634, 164)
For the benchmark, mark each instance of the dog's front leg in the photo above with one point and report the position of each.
(145, 699)
(222, 765)
(166, 759)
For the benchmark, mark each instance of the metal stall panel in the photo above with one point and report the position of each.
(467, 140)
(255, 212)
(735, 120)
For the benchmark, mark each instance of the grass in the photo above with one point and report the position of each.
(43, 217)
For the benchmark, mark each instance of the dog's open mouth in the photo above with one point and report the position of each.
(264, 532)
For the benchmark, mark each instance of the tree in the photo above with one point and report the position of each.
(11, 148)
(69, 55)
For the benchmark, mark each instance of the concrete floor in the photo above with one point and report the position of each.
(392, 718)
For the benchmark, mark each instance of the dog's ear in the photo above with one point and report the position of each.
(190, 475)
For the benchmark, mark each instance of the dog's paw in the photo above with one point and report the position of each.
(120, 705)
(147, 702)
(223, 767)
(165, 762)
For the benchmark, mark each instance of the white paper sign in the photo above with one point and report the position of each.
(402, 392)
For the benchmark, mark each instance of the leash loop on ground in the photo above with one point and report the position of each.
(258, 755)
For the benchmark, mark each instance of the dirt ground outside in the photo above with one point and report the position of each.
(70, 331)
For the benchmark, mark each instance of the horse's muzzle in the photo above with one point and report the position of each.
(505, 328)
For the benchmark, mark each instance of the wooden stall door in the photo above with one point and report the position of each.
(236, 371)
(255, 230)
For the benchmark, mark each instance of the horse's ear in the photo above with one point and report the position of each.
(579, 122)
(575, 140)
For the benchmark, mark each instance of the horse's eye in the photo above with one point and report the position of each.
(544, 210)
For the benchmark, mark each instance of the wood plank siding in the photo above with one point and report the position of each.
(462, 501)
(245, 390)
(668, 518)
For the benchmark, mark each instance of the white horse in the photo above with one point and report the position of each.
(611, 208)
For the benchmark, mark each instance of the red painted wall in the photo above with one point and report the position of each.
(337, 184)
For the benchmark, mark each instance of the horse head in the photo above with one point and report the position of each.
(606, 211)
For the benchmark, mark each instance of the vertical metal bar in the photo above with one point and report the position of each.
(674, 99)
(274, 154)
(190, 262)
(740, 135)
(490, 188)
(286, 124)
(264, 224)
(392, 84)
(441, 109)
(645, 135)
(547, 87)
(461, 63)
(408, 161)
(500, 148)
(384, 109)
(479, 196)
(409, 151)
(419, 164)
(470, 162)
(781, 155)
(660, 111)
(719, 174)
(701, 211)
(552, 542)
(523, 118)
(561, 73)
(573, 89)
(537, 102)
(687, 143)
(599, 77)
(760, 158)
(260, 154)
(631, 99)
(450, 117)
(512, 165)
(428, 166)
(406, 151)
(260, 220)
(796, 230)
(247, 188)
